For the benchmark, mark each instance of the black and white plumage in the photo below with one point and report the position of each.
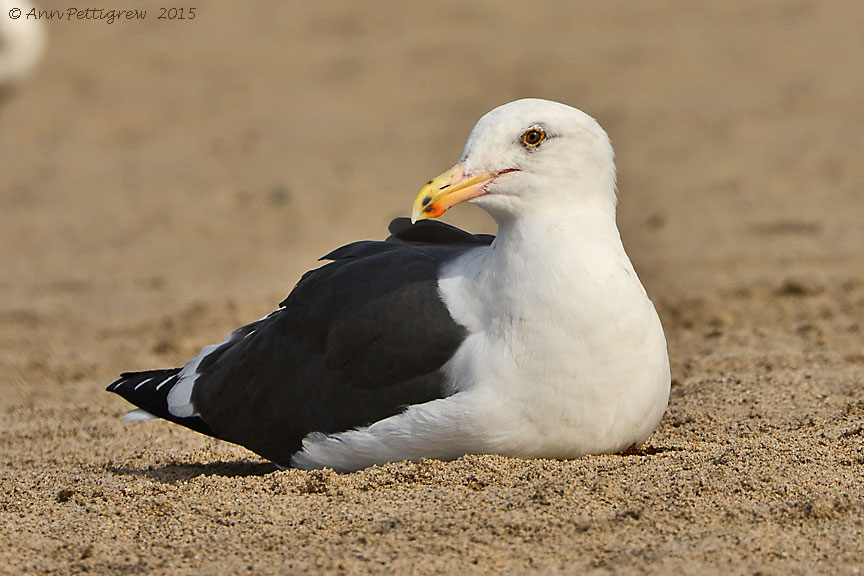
(355, 342)
(540, 342)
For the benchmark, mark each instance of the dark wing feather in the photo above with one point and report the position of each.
(149, 391)
(433, 232)
(356, 341)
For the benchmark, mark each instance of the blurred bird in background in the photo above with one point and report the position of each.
(22, 42)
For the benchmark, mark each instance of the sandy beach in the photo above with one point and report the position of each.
(163, 182)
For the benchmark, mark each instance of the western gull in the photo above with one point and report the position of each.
(539, 342)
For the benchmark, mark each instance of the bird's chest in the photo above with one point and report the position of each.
(553, 321)
(549, 340)
(573, 368)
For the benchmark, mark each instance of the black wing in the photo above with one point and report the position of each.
(433, 232)
(356, 341)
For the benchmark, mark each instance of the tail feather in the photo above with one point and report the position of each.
(149, 391)
(138, 415)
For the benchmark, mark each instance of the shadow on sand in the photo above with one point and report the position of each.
(172, 473)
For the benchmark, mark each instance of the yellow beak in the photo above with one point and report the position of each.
(447, 190)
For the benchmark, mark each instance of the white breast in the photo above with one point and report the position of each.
(566, 354)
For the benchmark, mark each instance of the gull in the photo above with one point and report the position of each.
(22, 42)
(538, 342)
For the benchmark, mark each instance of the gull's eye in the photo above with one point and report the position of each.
(533, 137)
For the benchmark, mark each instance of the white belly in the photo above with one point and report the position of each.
(567, 396)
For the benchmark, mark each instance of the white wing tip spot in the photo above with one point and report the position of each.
(158, 386)
(143, 382)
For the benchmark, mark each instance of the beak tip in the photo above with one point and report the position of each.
(447, 190)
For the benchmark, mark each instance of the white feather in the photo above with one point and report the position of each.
(165, 381)
(140, 384)
(138, 415)
(180, 396)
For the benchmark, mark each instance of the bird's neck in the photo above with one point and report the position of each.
(546, 263)
(556, 239)
(544, 279)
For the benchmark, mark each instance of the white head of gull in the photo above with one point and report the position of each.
(525, 158)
